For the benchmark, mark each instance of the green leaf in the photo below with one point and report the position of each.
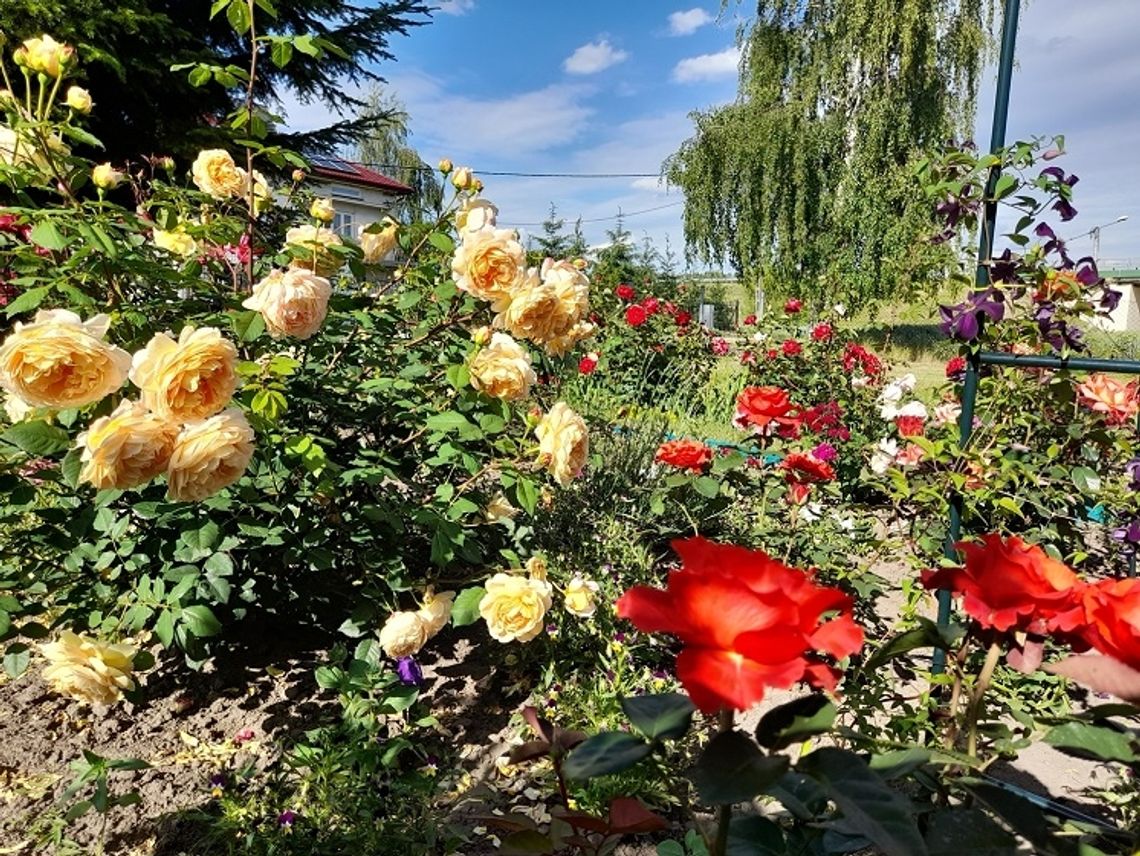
(37, 438)
(247, 325)
(670, 848)
(16, 659)
(926, 635)
(27, 301)
(526, 494)
(708, 487)
(755, 836)
(238, 15)
(1099, 742)
(732, 769)
(605, 753)
(442, 242)
(201, 621)
(5, 622)
(869, 806)
(1086, 480)
(449, 420)
(660, 717)
(795, 721)
(164, 628)
(46, 234)
(70, 468)
(281, 52)
(1006, 184)
(465, 608)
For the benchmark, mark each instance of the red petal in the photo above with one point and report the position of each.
(716, 679)
(822, 675)
(652, 611)
(774, 646)
(719, 609)
(840, 637)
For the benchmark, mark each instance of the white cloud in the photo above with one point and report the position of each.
(707, 66)
(593, 57)
(456, 7)
(688, 22)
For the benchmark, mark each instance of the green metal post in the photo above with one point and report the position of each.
(981, 279)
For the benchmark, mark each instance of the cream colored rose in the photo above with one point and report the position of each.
(489, 264)
(214, 172)
(311, 249)
(536, 568)
(45, 55)
(533, 312)
(61, 361)
(87, 669)
(502, 369)
(514, 607)
(463, 178)
(106, 177)
(499, 509)
(475, 214)
(126, 449)
(559, 346)
(186, 380)
(293, 302)
(208, 456)
(581, 597)
(563, 443)
(403, 634)
(79, 99)
(176, 241)
(322, 209)
(376, 245)
(18, 149)
(436, 611)
(16, 409)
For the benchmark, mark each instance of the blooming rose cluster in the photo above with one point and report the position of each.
(177, 426)
(746, 623)
(406, 632)
(1012, 587)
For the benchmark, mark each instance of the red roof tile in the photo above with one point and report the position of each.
(354, 173)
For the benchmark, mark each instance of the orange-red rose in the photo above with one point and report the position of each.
(691, 455)
(1112, 619)
(764, 408)
(747, 623)
(1008, 585)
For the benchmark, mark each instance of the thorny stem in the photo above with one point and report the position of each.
(724, 812)
(955, 696)
(977, 697)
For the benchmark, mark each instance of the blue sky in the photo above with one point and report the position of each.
(593, 86)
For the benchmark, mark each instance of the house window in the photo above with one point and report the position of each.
(344, 224)
(347, 193)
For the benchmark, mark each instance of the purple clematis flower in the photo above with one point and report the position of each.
(1129, 533)
(410, 672)
(964, 321)
(1132, 468)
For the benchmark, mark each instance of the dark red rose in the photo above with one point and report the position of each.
(635, 316)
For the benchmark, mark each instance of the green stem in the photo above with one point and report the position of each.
(724, 812)
(977, 697)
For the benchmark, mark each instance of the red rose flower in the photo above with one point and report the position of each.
(1112, 619)
(719, 346)
(588, 363)
(747, 358)
(635, 316)
(683, 318)
(771, 353)
(749, 320)
(793, 305)
(821, 332)
(764, 408)
(791, 348)
(822, 417)
(802, 468)
(910, 426)
(747, 622)
(1009, 585)
(691, 455)
(955, 367)
(651, 305)
(625, 292)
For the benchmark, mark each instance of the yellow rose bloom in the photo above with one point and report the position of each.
(502, 369)
(45, 55)
(16, 409)
(489, 264)
(536, 567)
(126, 449)
(463, 178)
(559, 346)
(376, 245)
(106, 177)
(573, 290)
(322, 209)
(60, 361)
(436, 611)
(79, 99)
(186, 380)
(313, 242)
(214, 172)
(563, 443)
(176, 241)
(403, 634)
(580, 597)
(514, 607)
(475, 214)
(87, 669)
(293, 302)
(208, 456)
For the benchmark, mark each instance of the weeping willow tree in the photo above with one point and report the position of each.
(386, 148)
(804, 182)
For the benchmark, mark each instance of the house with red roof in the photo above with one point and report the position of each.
(361, 196)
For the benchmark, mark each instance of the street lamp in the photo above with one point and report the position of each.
(1095, 233)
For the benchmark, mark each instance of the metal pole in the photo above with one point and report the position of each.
(981, 279)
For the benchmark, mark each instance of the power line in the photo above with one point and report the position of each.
(374, 165)
(622, 215)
